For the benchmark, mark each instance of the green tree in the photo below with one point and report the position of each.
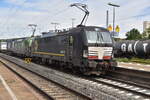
(133, 34)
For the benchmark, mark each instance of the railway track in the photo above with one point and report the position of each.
(138, 76)
(130, 76)
(49, 89)
(97, 88)
(135, 81)
(136, 92)
(135, 87)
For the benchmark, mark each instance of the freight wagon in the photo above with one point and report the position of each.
(131, 48)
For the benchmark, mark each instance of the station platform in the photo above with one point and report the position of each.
(135, 66)
(13, 87)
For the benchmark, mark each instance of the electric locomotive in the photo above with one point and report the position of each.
(87, 49)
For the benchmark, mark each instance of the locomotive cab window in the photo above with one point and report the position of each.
(98, 37)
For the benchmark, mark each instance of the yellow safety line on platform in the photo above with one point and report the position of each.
(48, 53)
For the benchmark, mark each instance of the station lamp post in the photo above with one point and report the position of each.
(114, 6)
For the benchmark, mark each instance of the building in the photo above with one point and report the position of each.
(146, 31)
(146, 24)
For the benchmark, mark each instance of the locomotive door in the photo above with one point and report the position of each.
(70, 48)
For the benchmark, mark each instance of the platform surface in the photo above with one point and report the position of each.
(13, 87)
(135, 66)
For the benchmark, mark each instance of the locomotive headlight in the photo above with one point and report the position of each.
(85, 53)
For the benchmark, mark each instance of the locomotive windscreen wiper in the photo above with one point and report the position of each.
(106, 37)
(97, 39)
(101, 36)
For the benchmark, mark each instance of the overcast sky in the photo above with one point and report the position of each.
(15, 15)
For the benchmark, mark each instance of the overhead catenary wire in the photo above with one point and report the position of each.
(15, 13)
(8, 25)
(14, 10)
(54, 13)
(52, 6)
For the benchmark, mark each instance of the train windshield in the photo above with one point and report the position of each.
(98, 37)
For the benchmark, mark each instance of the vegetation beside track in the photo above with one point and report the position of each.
(136, 60)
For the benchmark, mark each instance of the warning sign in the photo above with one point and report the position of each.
(117, 29)
(109, 28)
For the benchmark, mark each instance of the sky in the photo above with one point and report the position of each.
(16, 15)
